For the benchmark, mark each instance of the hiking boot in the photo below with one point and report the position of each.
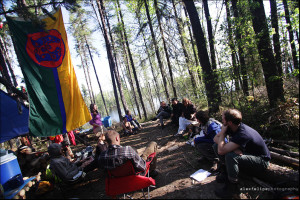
(222, 177)
(230, 190)
(154, 119)
(201, 159)
(214, 167)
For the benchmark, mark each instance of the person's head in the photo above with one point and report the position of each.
(231, 117)
(174, 101)
(202, 117)
(101, 137)
(186, 101)
(93, 108)
(127, 112)
(54, 150)
(163, 104)
(112, 137)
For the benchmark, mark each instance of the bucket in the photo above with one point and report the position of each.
(11, 176)
(107, 121)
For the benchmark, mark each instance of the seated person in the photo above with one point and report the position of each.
(96, 120)
(187, 117)
(210, 128)
(62, 166)
(246, 150)
(31, 163)
(128, 128)
(117, 155)
(132, 120)
(163, 112)
(176, 111)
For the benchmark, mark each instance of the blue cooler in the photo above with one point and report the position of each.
(10, 172)
(106, 121)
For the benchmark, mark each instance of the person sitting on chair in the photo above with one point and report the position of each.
(163, 112)
(246, 151)
(176, 111)
(62, 166)
(117, 155)
(132, 120)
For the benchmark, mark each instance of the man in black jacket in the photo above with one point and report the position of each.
(177, 111)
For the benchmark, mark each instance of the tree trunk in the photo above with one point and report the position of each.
(210, 78)
(109, 56)
(116, 70)
(186, 55)
(157, 52)
(165, 48)
(3, 46)
(88, 74)
(245, 85)
(291, 34)
(231, 45)
(107, 113)
(276, 41)
(273, 84)
(129, 71)
(85, 74)
(132, 63)
(149, 57)
(211, 38)
(4, 70)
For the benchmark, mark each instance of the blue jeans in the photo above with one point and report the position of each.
(163, 115)
(246, 162)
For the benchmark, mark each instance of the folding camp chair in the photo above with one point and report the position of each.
(124, 179)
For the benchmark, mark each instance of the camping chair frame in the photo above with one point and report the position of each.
(125, 175)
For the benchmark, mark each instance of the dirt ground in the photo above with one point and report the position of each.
(175, 167)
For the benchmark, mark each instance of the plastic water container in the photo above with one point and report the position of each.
(10, 172)
(107, 121)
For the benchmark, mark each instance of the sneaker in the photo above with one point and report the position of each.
(229, 191)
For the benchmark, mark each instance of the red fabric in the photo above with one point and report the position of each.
(72, 138)
(124, 179)
(58, 139)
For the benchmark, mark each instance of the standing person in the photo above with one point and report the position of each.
(163, 112)
(96, 120)
(210, 128)
(176, 111)
(132, 120)
(245, 151)
(187, 116)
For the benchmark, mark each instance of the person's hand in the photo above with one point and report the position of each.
(223, 130)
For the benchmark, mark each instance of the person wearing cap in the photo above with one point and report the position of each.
(62, 166)
(176, 111)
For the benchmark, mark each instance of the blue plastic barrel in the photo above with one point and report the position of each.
(10, 172)
(107, 121)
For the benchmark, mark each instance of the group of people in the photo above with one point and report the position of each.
(130, 125)
(231, 146)
(181, 114)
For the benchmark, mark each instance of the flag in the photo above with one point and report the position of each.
(56, 104)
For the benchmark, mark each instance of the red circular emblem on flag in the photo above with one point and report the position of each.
(46, 48)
